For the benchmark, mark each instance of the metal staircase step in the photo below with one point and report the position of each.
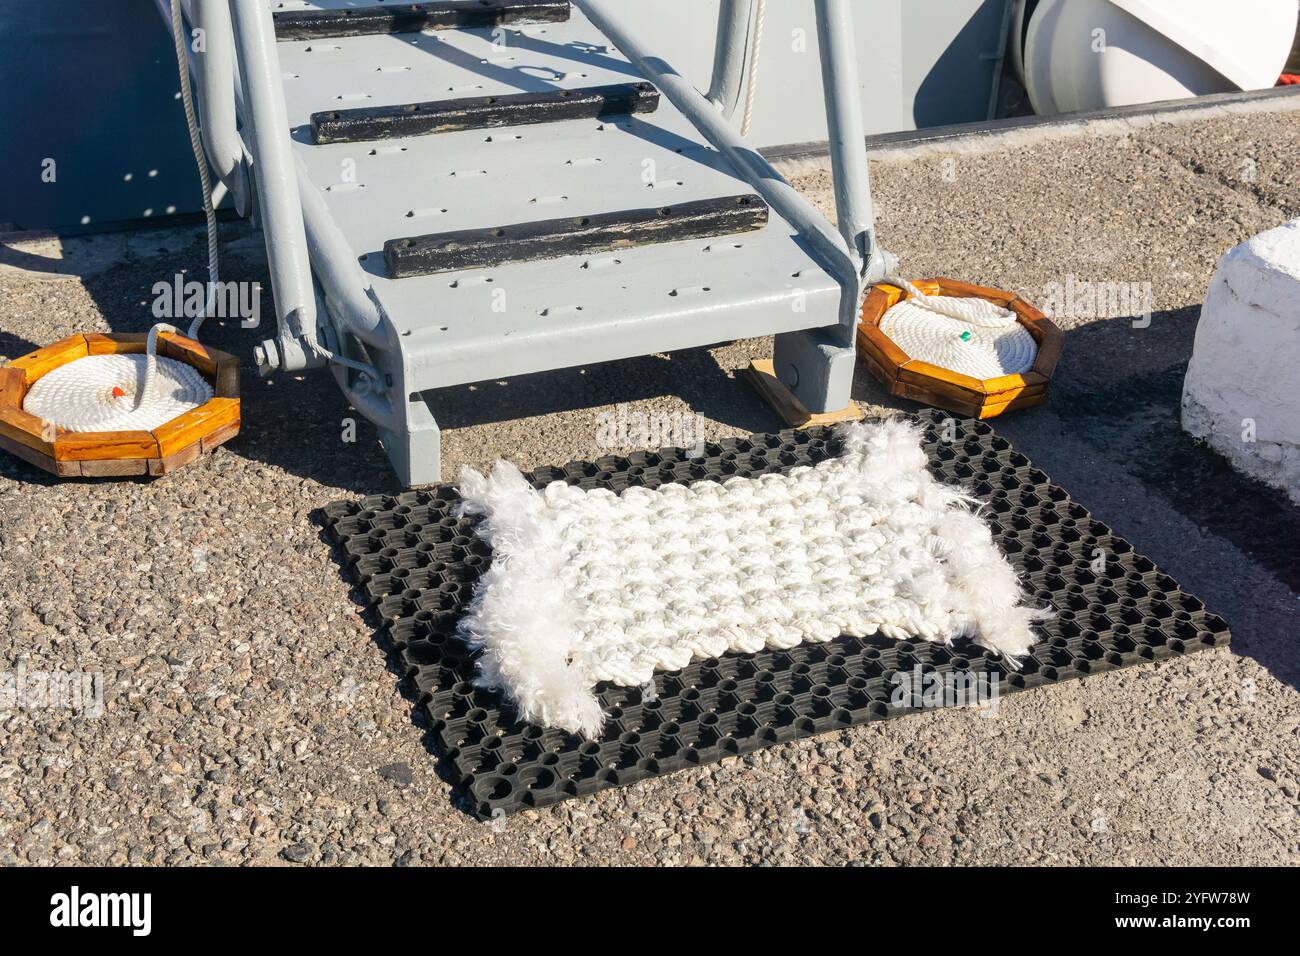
(476, 324)
(481, 112)
(462, 327)
(314, 24)
(573, 235)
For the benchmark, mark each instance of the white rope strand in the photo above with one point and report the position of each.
(751, 83)
(205, 178)
(149, 386)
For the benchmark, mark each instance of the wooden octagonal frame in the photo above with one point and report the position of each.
(114, 454)
(907, 377)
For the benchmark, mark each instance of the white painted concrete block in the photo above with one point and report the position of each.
(1242, 391)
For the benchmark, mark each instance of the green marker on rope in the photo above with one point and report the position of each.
(965, 336)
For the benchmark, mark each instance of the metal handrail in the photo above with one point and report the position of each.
(340, 276)
(213, 71)
(731, 51)
(273, 163)
(849, 254)
(217, 113)
(847, 133)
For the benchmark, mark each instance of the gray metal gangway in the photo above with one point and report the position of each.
(455, 192)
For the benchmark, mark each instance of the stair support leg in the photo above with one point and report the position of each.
(415, 445)
(817, 366)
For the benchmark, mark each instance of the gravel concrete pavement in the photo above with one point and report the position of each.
(251, 717)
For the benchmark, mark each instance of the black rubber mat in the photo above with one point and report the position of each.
(418, 565)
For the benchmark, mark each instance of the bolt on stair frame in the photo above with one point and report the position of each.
(311, 261)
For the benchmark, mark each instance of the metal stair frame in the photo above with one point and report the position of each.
(325, 306)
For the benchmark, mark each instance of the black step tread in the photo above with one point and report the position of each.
(573, 235)
(413, 17)
(482, 112)
(418, 562)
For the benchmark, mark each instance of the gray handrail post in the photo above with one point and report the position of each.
(735, 21)
(847, 134)
(213, 69)
(337, 270)
(273, 167)
(216, 71)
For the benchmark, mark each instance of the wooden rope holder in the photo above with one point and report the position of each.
(116, 454)
(906, 377)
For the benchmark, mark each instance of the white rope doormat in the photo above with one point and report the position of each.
(590, 586)
(972, 336)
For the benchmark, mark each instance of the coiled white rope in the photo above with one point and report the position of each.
(751, 83)
(971, 336)
(200, 158)
(109, 393)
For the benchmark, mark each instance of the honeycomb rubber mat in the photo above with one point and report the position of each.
(417, 564)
